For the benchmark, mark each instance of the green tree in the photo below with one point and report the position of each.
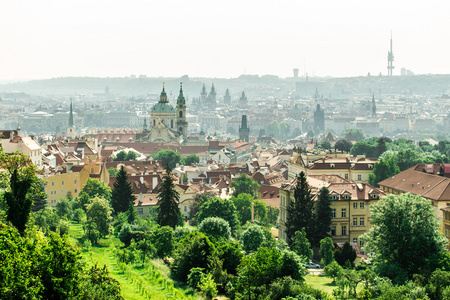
(96, 188)
(208, 286)
(333, 270)
(243, 203)
(301, 245)
(272, 215)
(215, 227)
(190, 159)
(168, 157)
(252, 238)
(345, 255)
(382, 170)
(64, 208)
(113, 172)
(163, 240)
(245, 184)
(122, 193)
(193, 251)
(131, 156)
(21, 173)
(405, 232)
(343, 145)
(291, 264)
(120, 156)
(300, 211)
(326, 145)
(98, 216)
(168, 212)
(97, 284)
(218, 207)
(357, 133)
(364, 148)
(326, 250)
(231, 255)
(37, 194)
(322, 216)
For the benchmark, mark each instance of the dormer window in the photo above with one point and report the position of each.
(332, 166)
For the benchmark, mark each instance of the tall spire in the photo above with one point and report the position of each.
(181, 99)
(71, 115)
(163, 96)
(144, 129)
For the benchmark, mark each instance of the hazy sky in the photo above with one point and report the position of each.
(43, 39)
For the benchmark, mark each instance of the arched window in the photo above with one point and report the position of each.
(181, 129)
(171, 123)
(181, 114)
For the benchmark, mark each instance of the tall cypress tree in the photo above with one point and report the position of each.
(168, 212)
(300, 211)
(323, 216)
(122, 194)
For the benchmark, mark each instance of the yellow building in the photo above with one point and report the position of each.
(350, 206)
(59, 184)
(351, 168)
(446, 222)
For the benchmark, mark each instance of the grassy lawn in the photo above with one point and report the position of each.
(321, 283)
(136, 281)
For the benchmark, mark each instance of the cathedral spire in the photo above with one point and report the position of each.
(181, 99)
(163, 96)
(71, 115)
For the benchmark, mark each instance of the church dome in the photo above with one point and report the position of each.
(163, 108)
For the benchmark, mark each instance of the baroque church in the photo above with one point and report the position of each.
(167, 123)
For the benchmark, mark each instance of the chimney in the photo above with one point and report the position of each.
(141, 179)
(141, 198)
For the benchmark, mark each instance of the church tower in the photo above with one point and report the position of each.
(212, 96)
(244, 130)
(71, 128)
(319, 119)
(182, 125)
(227, 97)
(374, 108)
(203, 95)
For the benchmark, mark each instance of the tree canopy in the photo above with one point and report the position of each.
(168, 211)
(405, 232)
(168, 157)
(245, 184)
(300, 211)
(190, 159)
(122, 194)
(218, 207)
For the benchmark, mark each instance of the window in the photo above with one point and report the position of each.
(140, 210)
(92, 170)
(344, 230)
(181, 114)
(62, 182)
(362, 205)
(75, 191)
(361, 243)
(53, 183)
(76, 181)
(185, 209)
(355, 221)
(333, 230)
(344, 213)
(53, 201)
(359, 176)
(355, 240)
(361, 221)
(355, 205)
(346, 176)
(333, 213)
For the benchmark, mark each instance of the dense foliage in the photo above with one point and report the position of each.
(168, 212)
(245, 184)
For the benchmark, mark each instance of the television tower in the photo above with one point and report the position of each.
(390, 60)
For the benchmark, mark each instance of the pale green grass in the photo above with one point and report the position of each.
(320, 282)
(136, 282)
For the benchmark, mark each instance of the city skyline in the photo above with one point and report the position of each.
(220, 39)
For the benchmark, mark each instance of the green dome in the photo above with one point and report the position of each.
(163, 107)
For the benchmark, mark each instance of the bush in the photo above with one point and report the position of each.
(292, 265)
(194, 277)
(252, 238)
(126, 234)
(333, 270)
(215, 227)
(79, 215)
(208, 286)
